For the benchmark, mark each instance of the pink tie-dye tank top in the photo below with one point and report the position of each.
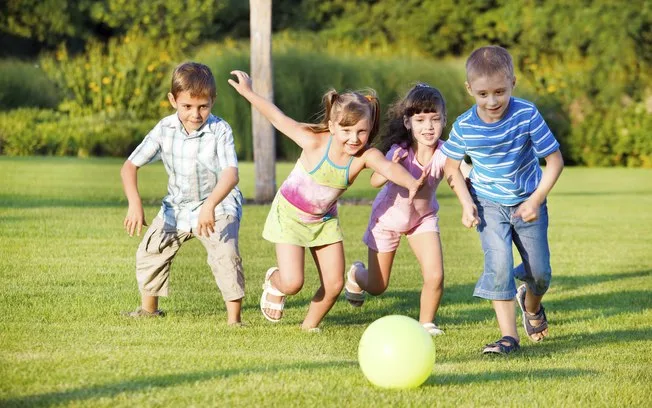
(315, 192)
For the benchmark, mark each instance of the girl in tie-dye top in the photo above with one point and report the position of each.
(415, 125)
(304, 211)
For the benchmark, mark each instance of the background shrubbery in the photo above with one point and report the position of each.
(25, 84)
(585, 64)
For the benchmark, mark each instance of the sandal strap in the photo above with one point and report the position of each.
(508, 339)
(512, 345)
(354, 296)
(540, 315)
(268, 304)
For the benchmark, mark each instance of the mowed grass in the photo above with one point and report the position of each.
(67, 270)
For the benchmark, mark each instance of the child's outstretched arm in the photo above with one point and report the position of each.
(455, 180)
(528, 210)
(393, 172)
(135, 218)
(286, 125)
(377, 180)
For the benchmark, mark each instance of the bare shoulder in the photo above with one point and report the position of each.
(371, 154)
(314, 141)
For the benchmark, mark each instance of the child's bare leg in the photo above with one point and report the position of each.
(233, 308)
(505, 313)
(427, 249)
(149, 303)
(375, 279)
(289, 278)
(329, 260)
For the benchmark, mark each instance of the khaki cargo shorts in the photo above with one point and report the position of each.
(162, 242)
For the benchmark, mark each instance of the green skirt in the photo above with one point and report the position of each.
(284, 225)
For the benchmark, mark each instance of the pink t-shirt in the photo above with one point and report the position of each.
(391, 207)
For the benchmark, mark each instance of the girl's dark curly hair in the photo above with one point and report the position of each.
(422, 98)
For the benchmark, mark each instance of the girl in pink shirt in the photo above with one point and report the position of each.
(416, 123)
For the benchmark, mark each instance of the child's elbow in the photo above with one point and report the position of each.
(127, 168)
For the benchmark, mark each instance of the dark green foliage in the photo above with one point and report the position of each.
(585, 63)
(24, 84)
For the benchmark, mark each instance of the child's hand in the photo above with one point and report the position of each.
(134, 220)
(206, 222)
(528, 210)
(243, 85)
(470, 216)
(399, 154)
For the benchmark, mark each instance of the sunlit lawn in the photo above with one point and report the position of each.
(67, 270)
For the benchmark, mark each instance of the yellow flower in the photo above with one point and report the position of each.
(551, 88)
(106, 80)
(92, 85)
(61, 54)
(108, 100)
(163, 104)
(137, 91)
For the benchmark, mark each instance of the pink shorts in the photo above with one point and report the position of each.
(381, 239)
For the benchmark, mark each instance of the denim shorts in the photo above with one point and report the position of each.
(498, 228)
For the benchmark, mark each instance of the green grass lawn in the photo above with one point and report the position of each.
(67, 270)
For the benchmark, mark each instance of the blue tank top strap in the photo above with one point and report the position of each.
(324, 157)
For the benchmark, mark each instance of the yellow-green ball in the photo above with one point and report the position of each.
(396, 352)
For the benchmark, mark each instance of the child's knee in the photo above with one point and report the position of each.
(292, 286)
(434, 281)
(541, 283)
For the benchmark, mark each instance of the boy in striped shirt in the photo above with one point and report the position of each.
(505, 137)
(203, 199)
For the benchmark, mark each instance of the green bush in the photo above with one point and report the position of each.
(24, 84)
(25, 132)
(614, 137)
(128, 76)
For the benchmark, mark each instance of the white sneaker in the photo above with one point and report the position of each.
(432, 329)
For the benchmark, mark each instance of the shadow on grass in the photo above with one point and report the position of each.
(567, 282)
(492, 376)
(475, 310)
(148, 383)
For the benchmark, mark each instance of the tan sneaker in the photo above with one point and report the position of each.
(140, 312)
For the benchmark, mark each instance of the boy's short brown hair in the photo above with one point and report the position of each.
(195, 78)
(489, 60)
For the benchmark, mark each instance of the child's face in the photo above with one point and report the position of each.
(193, 111)
(491, 94)
(426, 127)
(353, 137)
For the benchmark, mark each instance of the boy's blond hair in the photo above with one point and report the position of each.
(489, 60)
(195, 78)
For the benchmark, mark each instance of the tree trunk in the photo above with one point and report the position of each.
(261, 74)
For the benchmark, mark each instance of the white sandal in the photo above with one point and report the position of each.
(355, 297)
(432, 329)
(268, 289)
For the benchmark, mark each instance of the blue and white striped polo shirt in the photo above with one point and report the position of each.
(505, 154)
(193, 162)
